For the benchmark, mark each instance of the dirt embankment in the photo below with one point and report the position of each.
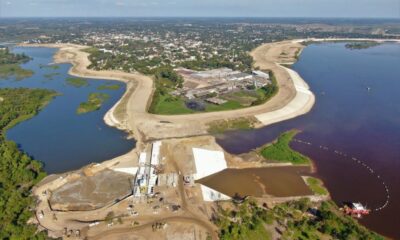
(145, 126)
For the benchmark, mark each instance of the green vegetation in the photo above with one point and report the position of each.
(361, 45)
(50, 76)
(8, 70)
(6, 57)
(280, 150)
(109, 87)
(300, 219)
(18, 172)
(266, 93)
(230, 105)
(166, 80)
(316, 186)
(220, 126)
(9, 65)
(94, 103)
(167, 104)
(77, 82)
(326, 222)
(244, 222)
(51, 66)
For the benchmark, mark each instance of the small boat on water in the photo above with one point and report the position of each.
(356, 210)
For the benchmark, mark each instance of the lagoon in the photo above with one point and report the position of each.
(58, 136)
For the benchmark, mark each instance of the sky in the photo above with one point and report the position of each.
(201, 8)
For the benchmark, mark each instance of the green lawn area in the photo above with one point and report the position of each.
(280, 150)
(8, 70)
(316, 186)
(77, 82)
(245, 98)
(166, 104)
(94, 103)
(230, 105)
(108, 87)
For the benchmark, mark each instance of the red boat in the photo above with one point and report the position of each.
(355, 210)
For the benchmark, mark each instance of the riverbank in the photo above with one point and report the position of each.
(145, 126)
(174, 166)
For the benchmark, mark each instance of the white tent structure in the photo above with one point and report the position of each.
(208, 162)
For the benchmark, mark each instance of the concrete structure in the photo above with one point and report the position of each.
(239, 77)
(155, 153)
(214, 73)
(261, 74)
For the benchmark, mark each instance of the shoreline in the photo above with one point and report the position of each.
(296, 97)
(140, 122)
(301, 103)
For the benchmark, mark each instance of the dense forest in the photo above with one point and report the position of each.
(18, 171)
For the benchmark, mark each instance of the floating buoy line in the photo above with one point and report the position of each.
(358, 161)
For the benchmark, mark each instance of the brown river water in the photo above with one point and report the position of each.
(352, 133)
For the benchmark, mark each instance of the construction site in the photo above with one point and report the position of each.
(169, 190)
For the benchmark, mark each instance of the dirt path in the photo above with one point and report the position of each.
(107, 234)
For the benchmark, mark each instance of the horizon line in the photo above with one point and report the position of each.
(249, 17)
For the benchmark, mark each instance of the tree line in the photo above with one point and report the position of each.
(18, 171)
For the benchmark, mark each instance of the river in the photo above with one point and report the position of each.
(357, 114)
(57, 136)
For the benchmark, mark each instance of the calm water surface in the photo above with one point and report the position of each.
(58, 136)
(348, 118)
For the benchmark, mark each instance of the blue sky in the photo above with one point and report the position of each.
(200, 8)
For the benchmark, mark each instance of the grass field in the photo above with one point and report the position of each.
(316, 186)
(280, 151)
(94, 103)
(245, 98)
(230, 105)
(9, 70)
(168, 105)
(77, 82)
